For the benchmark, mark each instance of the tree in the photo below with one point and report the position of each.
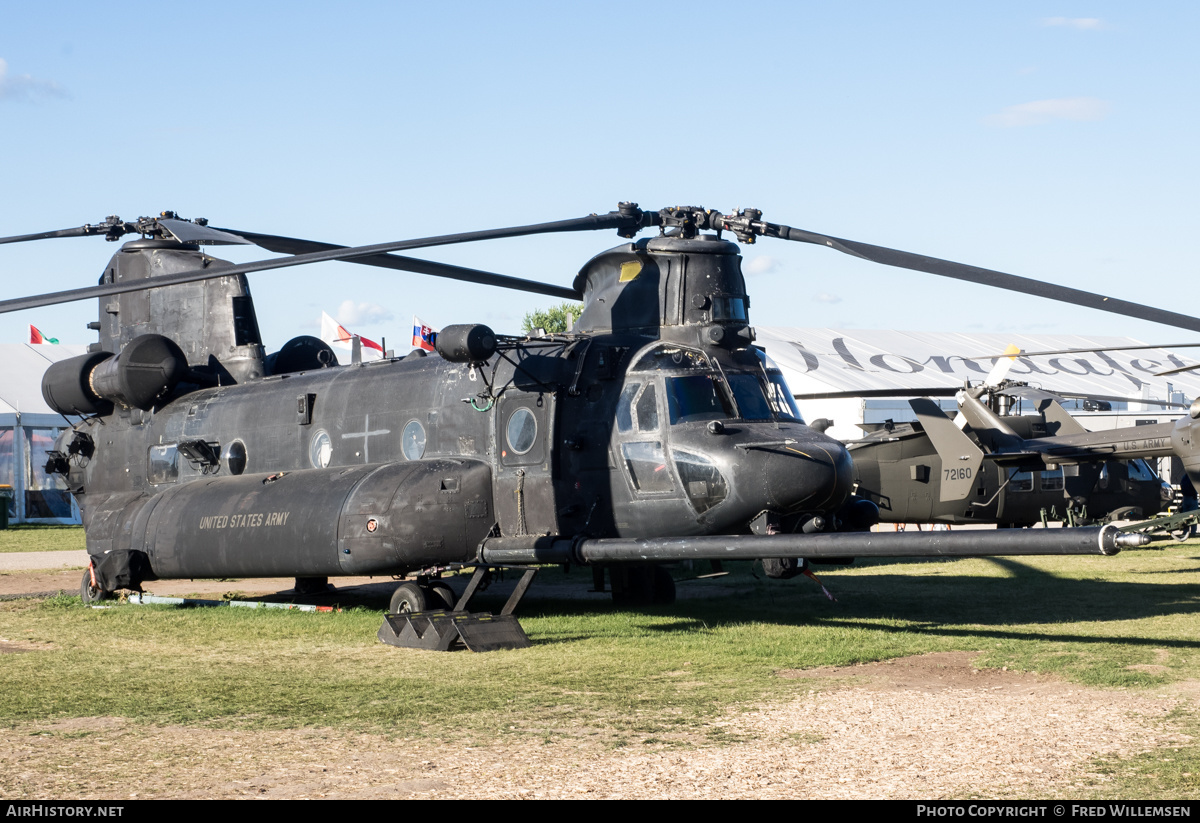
(554, 320)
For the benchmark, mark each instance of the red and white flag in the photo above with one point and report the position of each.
(336, 335)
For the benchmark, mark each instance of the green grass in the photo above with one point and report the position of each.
(39, 538)
(654, 675)
(1167, 772)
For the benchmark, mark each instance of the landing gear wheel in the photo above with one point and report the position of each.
(642, 586)
(90, 594)
(408, 597)
(441, 596)
(664, 587)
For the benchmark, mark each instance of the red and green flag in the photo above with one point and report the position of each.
(36, 336)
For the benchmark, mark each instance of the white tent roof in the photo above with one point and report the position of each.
(21, 368)
(830, 360)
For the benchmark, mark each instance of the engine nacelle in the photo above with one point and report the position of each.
(147, 369)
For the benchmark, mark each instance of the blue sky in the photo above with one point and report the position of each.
(1051, 140)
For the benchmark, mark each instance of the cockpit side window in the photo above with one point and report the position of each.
(638, 408)
(647, 467)
(625, 407)
(780, 397)
(1140, 470)
(647, 409)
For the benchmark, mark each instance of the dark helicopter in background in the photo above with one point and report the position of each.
(1015, 470)
(655, 431)
(992, 465)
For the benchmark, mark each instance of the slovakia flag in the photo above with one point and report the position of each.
(423, 336)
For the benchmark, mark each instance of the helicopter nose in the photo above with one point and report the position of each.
(808, 474)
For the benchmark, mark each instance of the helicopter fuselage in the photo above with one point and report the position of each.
(401, 465)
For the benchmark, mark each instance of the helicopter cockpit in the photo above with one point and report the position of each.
(699, 425)
(699, 388)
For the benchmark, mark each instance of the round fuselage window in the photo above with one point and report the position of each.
(320, 450)
(235, 457)
(522, 431)
(413, 440)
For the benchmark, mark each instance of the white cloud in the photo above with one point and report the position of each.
(1044, 111)
(1085, 23)
(826, 297)
(353, 314)
(762, 264)
(25, 87)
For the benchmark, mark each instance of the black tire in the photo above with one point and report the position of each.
(408, 598)
(90, 594)
(664, 587)
(441, 596)
(642, 586)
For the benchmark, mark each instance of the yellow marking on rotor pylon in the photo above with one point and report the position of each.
(630, 269)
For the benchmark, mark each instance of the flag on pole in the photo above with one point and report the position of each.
(423, 336)
(36, 336)
(336, 335)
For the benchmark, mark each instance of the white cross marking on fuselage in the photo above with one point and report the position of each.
(366, 435)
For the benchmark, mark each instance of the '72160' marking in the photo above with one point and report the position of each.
(960, 473)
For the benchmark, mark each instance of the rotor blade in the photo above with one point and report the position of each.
(1177, 371)
(936, 391)
(185, 231)
(1034, 393)
(1146, 401)
(615, 220)
(292, 245)
(80, 231)
(988, 277)
(1002, 366)
(1023, 353)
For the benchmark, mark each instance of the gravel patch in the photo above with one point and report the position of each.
(924, 727)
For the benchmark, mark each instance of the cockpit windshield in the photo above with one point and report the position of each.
(697, 389)
(748, 392)
(696, 397)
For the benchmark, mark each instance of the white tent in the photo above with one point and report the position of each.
(28, 429)
(816, 361)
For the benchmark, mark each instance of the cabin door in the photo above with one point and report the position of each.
(525, 502)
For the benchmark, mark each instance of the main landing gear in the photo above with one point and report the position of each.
(425, 614)
(409, 597)
(89, 592)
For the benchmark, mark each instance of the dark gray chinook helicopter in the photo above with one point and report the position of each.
(654, 431)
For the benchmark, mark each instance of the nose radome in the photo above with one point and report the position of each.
(808, 476)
